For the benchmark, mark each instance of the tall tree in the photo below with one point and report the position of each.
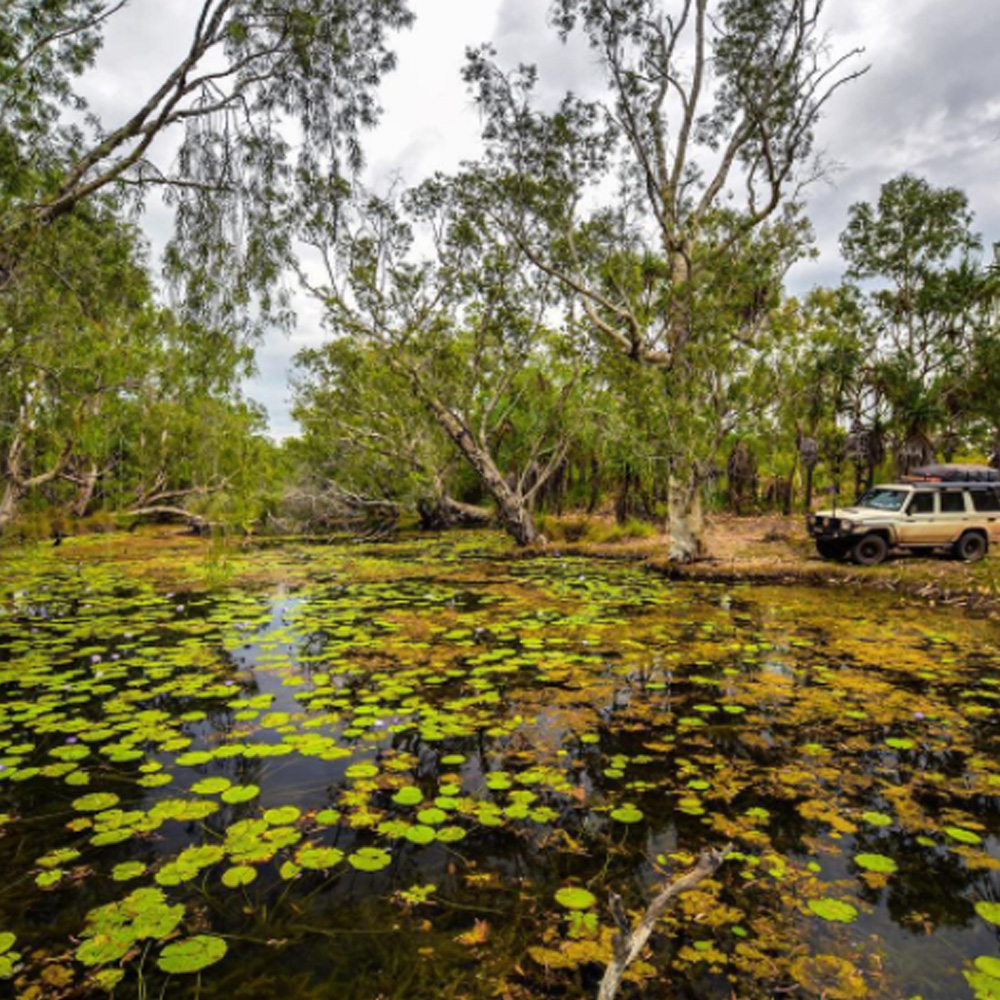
(910, 256)
(249, 73)
(709, 129)
(455, 315)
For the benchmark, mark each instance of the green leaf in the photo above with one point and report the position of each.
(238, 875)
(128, 870)
(877, 819)
(211, 786)
(990, 912)
(575, 898)
(240, 793)
(833, 910)
(369, 859)
(989, 966)
(627, 814)
(963, 836)
(408, 796)
(876, 863)
(420, 834)
(192, 955)
(318, 858)
(96, 802)
(282, 816)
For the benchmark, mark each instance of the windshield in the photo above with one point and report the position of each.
(884, 499)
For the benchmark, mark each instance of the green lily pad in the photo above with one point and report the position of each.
(408, 796)
(878, 863)
(956, 833)
(211, 786)
(420, 834)
(192, 954)
(96, 802)
(282, 816)
(318, 858)
(369, 859)
(240, 793)
(575, 898)
(627, 814)
(989, 966)
(833, 910)
(877, 819)
(238, 875)
(128, 870)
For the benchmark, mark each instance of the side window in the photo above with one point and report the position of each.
(952, 503)
(922, 503)
(986, 501)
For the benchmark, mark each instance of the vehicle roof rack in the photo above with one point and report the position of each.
(954, 475)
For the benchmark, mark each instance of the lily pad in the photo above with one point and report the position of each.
(192, 954)
(408, 796)
(369, 859)
(956, 833)
(420, 834)
(96, 802)
(833, 910)
(576, 898)
(238, 875)
(240, 793)
(627, 814)
(878, 863)
(318, 858)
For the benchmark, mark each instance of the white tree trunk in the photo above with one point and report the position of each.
(8, 504)
(687, 519)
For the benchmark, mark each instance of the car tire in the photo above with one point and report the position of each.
(829, 549)
(870, 550)
(971, 547)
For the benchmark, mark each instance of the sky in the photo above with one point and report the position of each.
(930, 105)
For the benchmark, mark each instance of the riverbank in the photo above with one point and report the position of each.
(777, 550)
(767, 550)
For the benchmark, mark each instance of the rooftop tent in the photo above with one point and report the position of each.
(954, 474)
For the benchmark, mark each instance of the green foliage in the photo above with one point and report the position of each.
(192, 954)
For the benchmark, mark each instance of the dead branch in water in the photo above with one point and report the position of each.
(628, 942)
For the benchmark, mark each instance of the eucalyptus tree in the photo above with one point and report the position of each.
(428, 289)
(106, 395)
(214, 132)
(74, 330)
(709, 130)
(368, 442)
(911, 258)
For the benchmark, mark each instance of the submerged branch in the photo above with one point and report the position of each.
(629, 942)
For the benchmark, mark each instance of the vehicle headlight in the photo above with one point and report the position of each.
(847, 525)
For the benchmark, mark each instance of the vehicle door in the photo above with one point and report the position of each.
(918, 525)
(986, 504)
(954, 513)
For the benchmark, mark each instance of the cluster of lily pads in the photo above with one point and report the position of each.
(175, 765)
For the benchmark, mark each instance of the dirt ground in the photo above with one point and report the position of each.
(776, 549)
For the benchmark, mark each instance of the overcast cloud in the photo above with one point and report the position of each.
(930, 106)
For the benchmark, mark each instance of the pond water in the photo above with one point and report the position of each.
(416, 770)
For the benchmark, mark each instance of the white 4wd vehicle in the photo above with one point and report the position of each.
(926, 514)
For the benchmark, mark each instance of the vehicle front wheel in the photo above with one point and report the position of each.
(830, 549)
(971, 547)
(870, 550)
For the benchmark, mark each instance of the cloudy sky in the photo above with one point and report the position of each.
(930, 105)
